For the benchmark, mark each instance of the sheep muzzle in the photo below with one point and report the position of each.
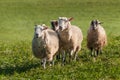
(36, 35)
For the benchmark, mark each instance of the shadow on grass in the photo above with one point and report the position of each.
(10, 70)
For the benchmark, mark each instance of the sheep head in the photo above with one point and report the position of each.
(94, 24)
(54, 24)
(64, 23)
(39, 30)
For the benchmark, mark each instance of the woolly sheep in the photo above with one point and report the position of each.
(55, 27)
(96, 38)
(71, 37)
(45, 44)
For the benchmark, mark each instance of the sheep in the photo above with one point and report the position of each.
(70, 36)
(45, 44)
(96, 38)
(55, 27)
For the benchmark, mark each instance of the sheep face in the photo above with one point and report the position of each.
(62, 23)
(54, 24)
(38, 30)
(94, 24)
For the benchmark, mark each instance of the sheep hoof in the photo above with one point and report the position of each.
(44, 67)
(63, 64)
(51, 63)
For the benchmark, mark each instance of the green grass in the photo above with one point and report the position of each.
(17, 62)
(17, 20)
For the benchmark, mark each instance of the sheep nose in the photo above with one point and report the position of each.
(37, 35)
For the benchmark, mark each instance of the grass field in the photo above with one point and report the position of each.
(17, 20)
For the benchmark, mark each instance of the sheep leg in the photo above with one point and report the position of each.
(70, 55)
(51, 63)
(94, 57)
(75, 56)
(76, 52)
(92, 52)
(101, 51)
(63, 57)
(44, 63)
(58, 56)
(97, 52)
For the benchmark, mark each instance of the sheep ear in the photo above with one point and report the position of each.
(70, 19)
(100, 22)
(44, 26)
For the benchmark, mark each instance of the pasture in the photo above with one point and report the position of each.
(17, 20)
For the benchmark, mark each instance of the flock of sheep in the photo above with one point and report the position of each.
(64, 39)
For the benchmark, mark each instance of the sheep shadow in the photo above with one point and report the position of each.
(10, 70)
